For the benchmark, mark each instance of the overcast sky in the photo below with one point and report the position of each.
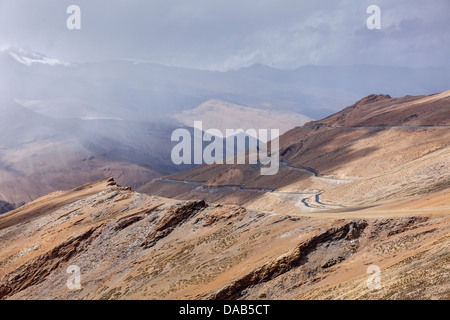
(229, 34)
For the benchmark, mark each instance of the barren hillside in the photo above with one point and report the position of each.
(368, 186)
(134, 246)
(377, 150)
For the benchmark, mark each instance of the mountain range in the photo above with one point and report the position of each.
(87, 182)
(133, 90)
(378, 149)
(364, 188)
(64, 124)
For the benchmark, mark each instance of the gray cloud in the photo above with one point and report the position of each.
(221, 35)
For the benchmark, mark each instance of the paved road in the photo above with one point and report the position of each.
(315, 173)
(287, 165)
(316, 203)
(189, 183)
(311, 201)
(201, 184)
(418, 127)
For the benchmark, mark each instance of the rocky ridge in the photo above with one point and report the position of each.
(136, 246)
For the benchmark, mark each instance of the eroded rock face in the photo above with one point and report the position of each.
(38, 269)
(134, 246)
(173, 218)
(373, 98)
(341, 238)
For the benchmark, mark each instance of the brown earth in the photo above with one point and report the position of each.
(378, 149)
(367, 186)
(135, 246)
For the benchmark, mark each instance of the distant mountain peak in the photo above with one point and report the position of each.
(29, 58)
(258, 69)
(224, 115)
(373, 98)
(258, 66)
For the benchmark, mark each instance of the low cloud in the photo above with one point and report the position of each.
(224, 35)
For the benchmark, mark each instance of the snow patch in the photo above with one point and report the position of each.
(29, 58)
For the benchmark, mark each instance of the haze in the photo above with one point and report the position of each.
(224, 35)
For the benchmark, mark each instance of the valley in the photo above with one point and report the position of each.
(367, 186)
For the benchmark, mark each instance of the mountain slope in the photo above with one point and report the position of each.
(135, 246)
(131, 90)
(86, 121)
(223, 115)
(378, 149)
(41, 154)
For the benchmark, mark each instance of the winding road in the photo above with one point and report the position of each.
(308, 200)
(411, 127)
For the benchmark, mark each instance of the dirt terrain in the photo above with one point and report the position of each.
(379, 149)
(368, 186)
(135, 246)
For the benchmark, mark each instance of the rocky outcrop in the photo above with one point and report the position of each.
(373, 98)
(38, 269)
(344, 235)
(135, 246)
(173, 218)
